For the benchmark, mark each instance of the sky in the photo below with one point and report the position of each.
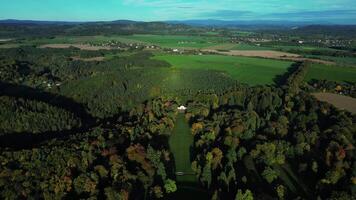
(334, 11)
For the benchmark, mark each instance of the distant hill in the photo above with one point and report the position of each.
(34, 22)
(241, 24)
(347, 31)
(20, 28)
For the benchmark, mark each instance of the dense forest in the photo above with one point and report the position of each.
(267, 143)
(261, 142)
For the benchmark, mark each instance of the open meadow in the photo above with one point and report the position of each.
(253, 71)
(331, 73)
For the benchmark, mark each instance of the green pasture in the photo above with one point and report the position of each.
(299, 48)
(180, 142)
(167, 41)
(250, 47)
(332, 73)
(242, 46)
(253, 71)
(177, 41)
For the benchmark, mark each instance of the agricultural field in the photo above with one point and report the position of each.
(165, 41)
(176, 41)
(234, 46)
(331, 73)
(253, 71)
(339, 101)
(298, 47)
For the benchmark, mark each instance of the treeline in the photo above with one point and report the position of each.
(127, 158)
(265, 144)
(296, 78)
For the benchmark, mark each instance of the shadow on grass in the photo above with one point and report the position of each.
(189, 191)
(280, 80)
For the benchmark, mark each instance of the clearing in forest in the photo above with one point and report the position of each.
(180, 144)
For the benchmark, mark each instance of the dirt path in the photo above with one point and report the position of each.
(269, 54)
(339, 101)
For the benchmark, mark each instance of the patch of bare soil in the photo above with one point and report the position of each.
(339, 101)
(269, 54)
(79, 46)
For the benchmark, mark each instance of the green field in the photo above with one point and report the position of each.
(253, 71)
(332, 73)
(249, 47)
(242, 46)
(180, 143)
(168, 41)
(299, 47)
(177, 41)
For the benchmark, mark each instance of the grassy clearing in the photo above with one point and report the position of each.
(253, 71)
(180, 143)
(332, 73)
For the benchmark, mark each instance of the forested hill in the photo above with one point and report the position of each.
(22, 28)
(348, 31)
(16, 28)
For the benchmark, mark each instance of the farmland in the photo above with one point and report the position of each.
(332, 73)
(339, 101)
(165, 41)
(177, 41)
(252, 71)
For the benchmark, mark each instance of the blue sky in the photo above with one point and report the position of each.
(335, 11)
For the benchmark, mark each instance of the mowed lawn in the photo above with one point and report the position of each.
(180, 142)
(253, 71)
(332, 73)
